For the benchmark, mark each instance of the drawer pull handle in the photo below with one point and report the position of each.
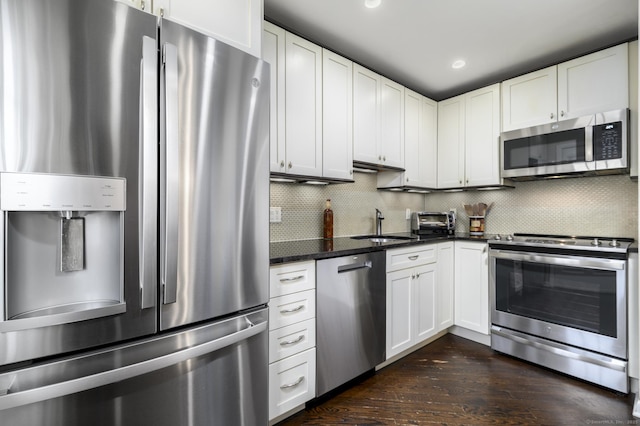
(294, 384)
(289, 311)
(288, 280)
(292, 342)
(414, 257)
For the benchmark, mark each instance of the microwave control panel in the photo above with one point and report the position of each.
(607, 141)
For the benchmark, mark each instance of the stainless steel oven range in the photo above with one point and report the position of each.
(561, 302)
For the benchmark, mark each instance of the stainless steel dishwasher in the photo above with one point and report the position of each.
(350, 317)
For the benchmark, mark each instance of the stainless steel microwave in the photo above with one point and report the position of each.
(588, 145)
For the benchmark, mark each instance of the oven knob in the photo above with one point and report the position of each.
(497, 237)
(509, 237)
(614, 243)
(596, 242)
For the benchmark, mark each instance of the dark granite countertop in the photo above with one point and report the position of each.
(298, 250)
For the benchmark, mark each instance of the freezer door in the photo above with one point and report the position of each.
(79, 97)
(214, 374)
(214, 178)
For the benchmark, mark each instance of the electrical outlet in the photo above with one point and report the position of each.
(454, 210)
(407, 214)
(275, 214)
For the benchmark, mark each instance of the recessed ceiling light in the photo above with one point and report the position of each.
(458, 64)
(372, 4)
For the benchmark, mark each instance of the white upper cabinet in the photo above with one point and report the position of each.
(337, 116)
(482, 137)
(391, 123)
(378, 119)
(303, 106)
(235, 22)
(468, 139)
(593, 83)
(295, 129)
(451, 134)
(420, 140)
(273, 53)
(530, 99)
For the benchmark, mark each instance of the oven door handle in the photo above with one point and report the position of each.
(563, 260)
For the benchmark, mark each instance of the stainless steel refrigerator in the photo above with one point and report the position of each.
(133, 213)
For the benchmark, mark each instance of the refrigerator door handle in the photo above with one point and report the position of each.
(171, 166)
(147, 177)
(12, 400)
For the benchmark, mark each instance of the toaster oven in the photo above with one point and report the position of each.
(433, 223)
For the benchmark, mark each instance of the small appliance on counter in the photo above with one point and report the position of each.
(433, 223)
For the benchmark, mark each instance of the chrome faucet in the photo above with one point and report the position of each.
(379, 218)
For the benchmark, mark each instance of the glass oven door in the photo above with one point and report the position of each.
(576, 300)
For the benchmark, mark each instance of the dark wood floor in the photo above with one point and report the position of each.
(455, 381)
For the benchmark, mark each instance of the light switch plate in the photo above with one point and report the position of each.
(407, 214)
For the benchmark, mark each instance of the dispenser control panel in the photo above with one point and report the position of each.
(53, 192)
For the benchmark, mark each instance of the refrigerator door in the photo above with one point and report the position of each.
(214, 178)
(210, 375)
(79, 97)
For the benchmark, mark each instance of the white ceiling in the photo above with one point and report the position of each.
(414, 42)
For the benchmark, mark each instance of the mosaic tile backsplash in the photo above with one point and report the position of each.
(598, 206)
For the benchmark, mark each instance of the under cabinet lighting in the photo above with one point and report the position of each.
(372, 4)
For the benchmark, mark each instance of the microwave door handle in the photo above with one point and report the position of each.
(171, 164)
(147, 176)
(20, 398)
(588, 144)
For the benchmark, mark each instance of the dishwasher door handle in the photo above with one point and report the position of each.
(354, 267)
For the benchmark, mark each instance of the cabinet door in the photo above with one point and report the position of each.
(412, 118)
(391, 142)
(273, 52)
(366, 95)
(424, 299)
(399, 312)
(451, 136)
(472, 286)
(482, 130)
(420, 140)
(530, 99)
(303, 106)
(594, 83)
(337, 116)
(235, 22)
(444, 286)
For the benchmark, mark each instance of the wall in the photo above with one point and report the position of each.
(353, 207)
(599, 206)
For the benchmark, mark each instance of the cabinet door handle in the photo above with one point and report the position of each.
(551, 116)
(414, 257)
(288, 280)
(289, 311)
(292, 342)
(561, 113)
(294, 384)
(282, 164)
(290, 165)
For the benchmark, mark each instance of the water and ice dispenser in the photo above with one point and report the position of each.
(63, 248)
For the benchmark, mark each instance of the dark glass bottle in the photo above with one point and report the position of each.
(328, 221)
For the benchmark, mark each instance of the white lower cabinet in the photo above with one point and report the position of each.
(472, 286)
(292, 336)
(292, 382)
(416, 289)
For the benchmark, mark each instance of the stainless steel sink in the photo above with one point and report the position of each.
(382, 238)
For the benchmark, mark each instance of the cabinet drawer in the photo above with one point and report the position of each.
(292, 277)
(292, 382)
(411, 256)
(291, 308)
(290, 340)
